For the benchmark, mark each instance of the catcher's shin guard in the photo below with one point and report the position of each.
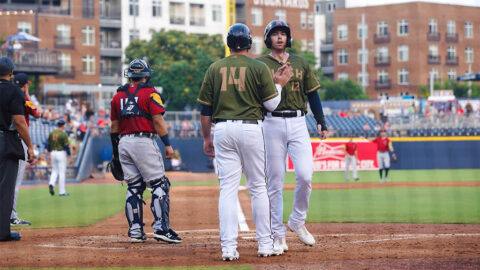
(134, 207)
(160, 205)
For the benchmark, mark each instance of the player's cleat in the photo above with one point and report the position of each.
(64, 195)
(19, 222)
(386, 179)
(14, 236)
(51, 190)
(170, 237)
(138, 239)
(303, 234)
(230, 255)
(356, 179)
(381, 180)
(283, 243)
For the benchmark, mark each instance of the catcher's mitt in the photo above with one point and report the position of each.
(116, 168)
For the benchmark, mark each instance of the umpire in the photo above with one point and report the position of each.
(12, 124)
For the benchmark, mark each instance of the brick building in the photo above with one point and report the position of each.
(258, 13)
(404, 44)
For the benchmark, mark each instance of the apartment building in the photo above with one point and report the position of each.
(405, 44)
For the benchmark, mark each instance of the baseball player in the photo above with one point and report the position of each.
(21, 80)
(351, 157)
(286, 132)
(383, 158)
(233, 94)
(137, 121)
(59, 148)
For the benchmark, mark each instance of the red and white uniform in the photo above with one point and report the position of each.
(383, 157)
(350, 158)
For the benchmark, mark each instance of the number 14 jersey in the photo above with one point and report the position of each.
(236, 87)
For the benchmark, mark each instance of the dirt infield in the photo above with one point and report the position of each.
(339, 246)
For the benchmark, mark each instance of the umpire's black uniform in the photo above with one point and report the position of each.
(11, 103)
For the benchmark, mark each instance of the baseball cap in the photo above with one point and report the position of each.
(6, 65)
(21, 79)
(60, 123)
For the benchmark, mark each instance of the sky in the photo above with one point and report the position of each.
(361, 3)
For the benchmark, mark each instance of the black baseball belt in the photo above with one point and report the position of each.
(253, 122)
(140, 134)
(286, 114)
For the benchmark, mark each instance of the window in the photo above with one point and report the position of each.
(257, 16)
(317, 8)
(361, 81)
(362, 31)
(88, 63)
(432, 26)
(468, 55)
(451, 52)
(382, 54)
(362, 55)
(310, 45)
(342, 57)
(343, 76)
(382, 76)
(403, 77)
(217, 13)
(134, 34)
(468, 30)
(177, 13)
(63, 34)
(304, 45)
(403, 54)
(402, 27)
(433, 51)
(88, 36)
(281, 14)
(65, 62)
(452, 74)
(303, 20)
(450, 28)
(197, 14)
(133, 7)
(88, 9)
(382, 29)
(310, 20)
(434, 73)
(157, 8)
(342, 31)
(331, 7)
(25, 27)
(257, 43)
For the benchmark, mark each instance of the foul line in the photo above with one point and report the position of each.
(81, 247)
(242, 221)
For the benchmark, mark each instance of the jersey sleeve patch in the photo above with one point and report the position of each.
(157, 100)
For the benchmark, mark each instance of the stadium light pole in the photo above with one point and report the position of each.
(364, 63)
(230, 5)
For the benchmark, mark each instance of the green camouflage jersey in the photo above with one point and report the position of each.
(236, 87)
(303, 81)
(57, 140)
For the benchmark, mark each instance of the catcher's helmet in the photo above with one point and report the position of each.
(238, 37)
(138, 68)
(277, 25)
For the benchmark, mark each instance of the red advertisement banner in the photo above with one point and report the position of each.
(328, 155)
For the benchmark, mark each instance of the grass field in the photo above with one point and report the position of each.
(91, 203)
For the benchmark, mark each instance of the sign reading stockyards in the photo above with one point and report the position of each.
(329, 155)
(282, 3)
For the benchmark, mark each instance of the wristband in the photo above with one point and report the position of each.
(165, 140)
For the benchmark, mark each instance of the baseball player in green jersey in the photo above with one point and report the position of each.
(59, 149)
(286, 132)
(233, 95)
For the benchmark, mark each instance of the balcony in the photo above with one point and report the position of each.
(433, 36)
(383, 38)
(327, 45)
(111, 48)
(64, 42)
(109, 76)
(383, 84)
(451, 37)
(67, 72)
(433, 59)
(42, 62)
(327, 67)
(383, 61)
(451, 60)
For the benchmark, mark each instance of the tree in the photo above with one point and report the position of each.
(179, 61)
(460, 89)
(343, 90)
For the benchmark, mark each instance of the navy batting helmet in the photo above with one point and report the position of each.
(138, 68)
(277, 25)
(238, 37)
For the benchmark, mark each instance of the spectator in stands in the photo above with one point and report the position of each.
(366, 127)
(42, 160)
(468, 108)
(377, 128)
(331, 131)
(187, 129)
(176, 160)
(343, 114)
(89, 113)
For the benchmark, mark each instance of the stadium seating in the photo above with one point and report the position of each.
(39, 131)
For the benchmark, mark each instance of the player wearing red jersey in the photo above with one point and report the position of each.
(383, 157)
(351, 157)
(137, 121)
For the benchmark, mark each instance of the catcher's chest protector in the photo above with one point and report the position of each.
(129, 107)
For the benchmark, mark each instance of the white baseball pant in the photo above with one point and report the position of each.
(383, 160)
(59, 169)
(22, 164)
(350, 159)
